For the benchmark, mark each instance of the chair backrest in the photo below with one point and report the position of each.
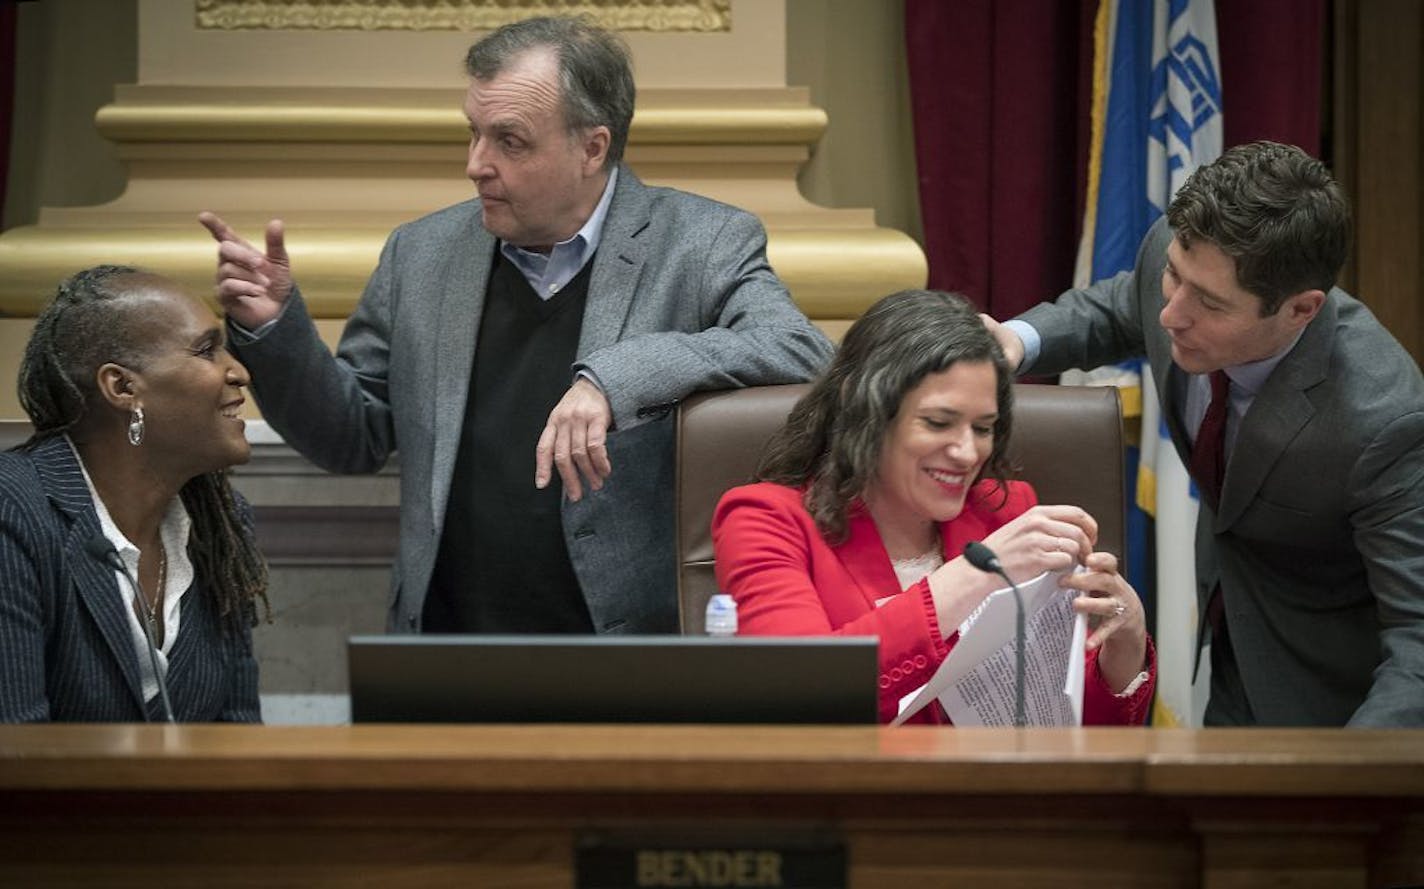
(1067, 443)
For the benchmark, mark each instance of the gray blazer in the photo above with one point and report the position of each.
(681, 299)
(1319, 540)
(66, 654)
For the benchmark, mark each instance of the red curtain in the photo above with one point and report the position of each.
(1001, 94)
(1272, 70)
(1001, 142)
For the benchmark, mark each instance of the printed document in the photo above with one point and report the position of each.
(975, 684)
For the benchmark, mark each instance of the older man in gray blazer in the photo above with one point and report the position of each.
(1310, 539)
(548, 326)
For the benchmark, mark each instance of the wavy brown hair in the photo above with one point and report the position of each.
(833, 437)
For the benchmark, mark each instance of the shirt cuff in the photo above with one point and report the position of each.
(584, 373)
(1032, 342)
(249, 336)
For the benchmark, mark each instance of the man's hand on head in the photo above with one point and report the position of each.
(1008, 341)
(575, 440)
(252, 285)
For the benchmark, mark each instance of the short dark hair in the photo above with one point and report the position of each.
(833, 437)
(93, 320)
(595, 71)
(87, 323)
(1276, 211)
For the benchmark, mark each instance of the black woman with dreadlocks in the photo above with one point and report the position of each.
(129, 578)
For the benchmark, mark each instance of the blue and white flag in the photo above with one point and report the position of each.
(1156, 118)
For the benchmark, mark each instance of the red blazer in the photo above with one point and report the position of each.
(788, 581)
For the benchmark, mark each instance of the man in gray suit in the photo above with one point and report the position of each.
(1310, 539)
(550, 325)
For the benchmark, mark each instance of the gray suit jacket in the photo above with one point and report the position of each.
(66, 653)
(1319, 540)
(681, 299)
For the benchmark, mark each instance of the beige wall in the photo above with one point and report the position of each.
(851, 53)
(72, 53)
(433, 58)
(69, 55)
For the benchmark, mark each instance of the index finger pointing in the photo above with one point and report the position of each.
(216, 227)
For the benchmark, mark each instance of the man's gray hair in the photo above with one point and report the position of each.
(595, 71)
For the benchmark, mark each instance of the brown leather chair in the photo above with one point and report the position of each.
(1067, 442)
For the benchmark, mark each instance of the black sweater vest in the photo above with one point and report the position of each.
(502, 565)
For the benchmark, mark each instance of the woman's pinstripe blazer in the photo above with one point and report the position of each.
(66, 653)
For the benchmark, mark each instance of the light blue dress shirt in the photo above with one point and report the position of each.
(1246, 380)
(548, 273)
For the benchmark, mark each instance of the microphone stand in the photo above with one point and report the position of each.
(983, 558)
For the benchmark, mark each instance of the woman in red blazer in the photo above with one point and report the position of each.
(893, 461)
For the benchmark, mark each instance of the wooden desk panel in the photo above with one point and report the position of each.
(219, 806)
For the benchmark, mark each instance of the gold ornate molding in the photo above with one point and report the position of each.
(344, 166)
(298, 122)
(457, 15)
(833, 272)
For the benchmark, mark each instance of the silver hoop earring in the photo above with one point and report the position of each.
(136, 427)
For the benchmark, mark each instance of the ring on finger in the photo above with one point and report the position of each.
(1118, 608)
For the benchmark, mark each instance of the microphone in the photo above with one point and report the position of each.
(100, 548)
(983, 558)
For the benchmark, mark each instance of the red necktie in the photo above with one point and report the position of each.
(1209, 453)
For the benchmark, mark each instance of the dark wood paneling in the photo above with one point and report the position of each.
(1379, 156)
(327, 535)
(429, 806)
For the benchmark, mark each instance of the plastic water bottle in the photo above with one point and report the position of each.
(721, 615)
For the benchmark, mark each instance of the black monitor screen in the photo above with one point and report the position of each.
(673, 679)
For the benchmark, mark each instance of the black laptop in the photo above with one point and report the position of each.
(669, 679)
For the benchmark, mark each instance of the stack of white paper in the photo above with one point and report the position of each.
(975, 684)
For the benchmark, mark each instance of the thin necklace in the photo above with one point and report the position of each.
(150, 606)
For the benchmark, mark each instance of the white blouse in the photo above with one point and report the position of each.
(174, 532)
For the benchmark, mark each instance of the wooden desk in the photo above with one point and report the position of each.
(477, 806)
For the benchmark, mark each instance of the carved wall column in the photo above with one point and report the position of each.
(343, 117)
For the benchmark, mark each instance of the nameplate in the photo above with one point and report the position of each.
(730, 861)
